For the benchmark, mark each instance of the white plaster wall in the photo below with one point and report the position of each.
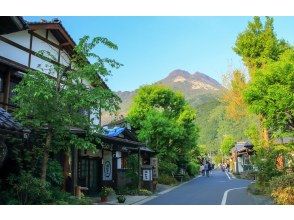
(94, 116)
(13, 53)
(42, 65)
(118, 155)
(39, 45)
(64, 58)
(20, 37)
(240, 163)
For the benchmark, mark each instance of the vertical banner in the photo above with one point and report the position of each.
(107, 165)
(154, 163)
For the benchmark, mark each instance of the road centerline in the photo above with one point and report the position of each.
(228, 175)
(224, 200)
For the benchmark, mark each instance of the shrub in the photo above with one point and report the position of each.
(284, 196)
(265, 161)
(167, 168)
(282, 181)
(29, 189)
(250, 174)
(54, 173)
(186, 177)
(81, 201)
(144, 192)
(255, 189)
(193, 169)
(121, 199)
(167, 180)
(106, 191)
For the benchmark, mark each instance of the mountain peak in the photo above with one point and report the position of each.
(179, 72)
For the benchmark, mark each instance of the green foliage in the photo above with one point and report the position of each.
(193, 169)
(283, 181)
(167, 179)
(265, 161)
(166, 167)
(166, 122)
(106, 191)
(255, 189)
(132, 171)
(121, 199)
(227, 144)
(271, 95)
(54, 173)
(144, 192)
(284, 196)
(65, 100)
(258, 44)
(29, 189)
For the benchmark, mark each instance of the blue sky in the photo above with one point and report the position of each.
(152, 47)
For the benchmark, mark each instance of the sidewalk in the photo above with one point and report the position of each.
(136, 200)
(131, 200)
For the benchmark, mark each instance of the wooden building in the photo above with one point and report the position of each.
(240, 157)
(20, 44)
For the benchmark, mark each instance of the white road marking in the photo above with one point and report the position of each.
(224, 200)
(228, 175)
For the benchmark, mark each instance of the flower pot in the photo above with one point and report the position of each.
(103, 199)
(121, 199)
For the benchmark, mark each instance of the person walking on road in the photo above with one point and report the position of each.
(202, 170)
(206, 168)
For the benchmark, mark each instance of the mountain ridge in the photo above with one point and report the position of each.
(198, 89)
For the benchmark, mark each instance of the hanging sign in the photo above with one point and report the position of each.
(147, 175)
(107, 165)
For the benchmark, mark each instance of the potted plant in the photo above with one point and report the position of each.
(105, 191)
(121, 199)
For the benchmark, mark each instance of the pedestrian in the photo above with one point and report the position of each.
(202, 169)
(206, 168)
(209, 167)
(228, 167)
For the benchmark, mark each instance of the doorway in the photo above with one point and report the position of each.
(89, 174)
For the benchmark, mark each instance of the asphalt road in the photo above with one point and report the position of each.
(219, 188)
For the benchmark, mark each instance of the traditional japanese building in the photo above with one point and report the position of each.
(240, 157)
(20, 44)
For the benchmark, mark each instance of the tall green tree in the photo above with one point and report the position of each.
(271, 94)
(166, 122)
(56, 104)
(258, 44)
(227, 144)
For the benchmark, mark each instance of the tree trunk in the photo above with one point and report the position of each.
(265, 136)
(264, 132)
(46, 155)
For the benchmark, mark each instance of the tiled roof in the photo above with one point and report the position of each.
(54, 21)
(7, 121)
(241, 146)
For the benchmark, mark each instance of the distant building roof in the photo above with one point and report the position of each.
(241, 146)
(7, 122)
